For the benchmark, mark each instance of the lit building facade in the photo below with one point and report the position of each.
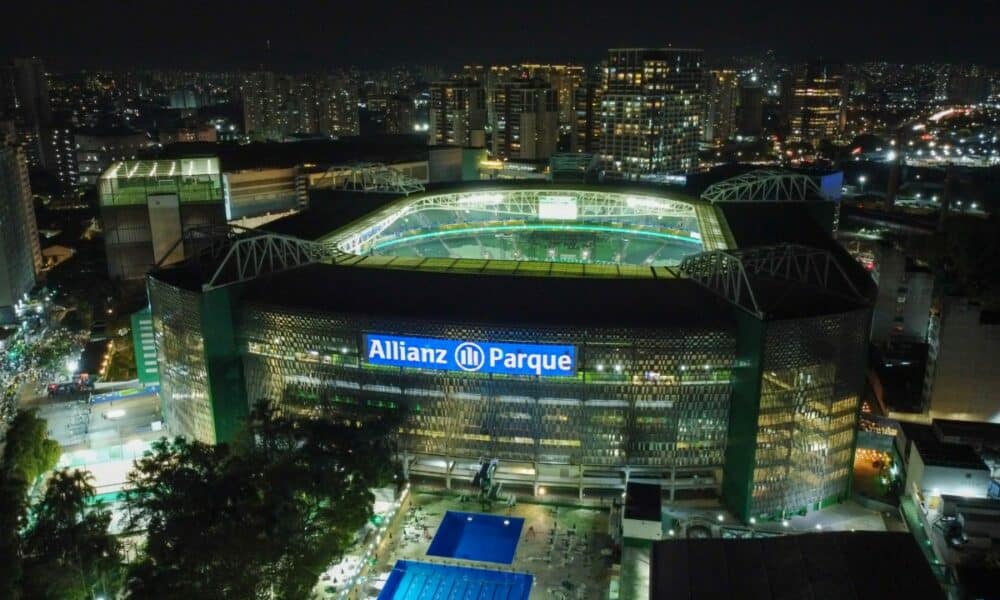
(587, 128)
(691, 392)
(651, 111)
(719, 117)
(458, 114)
(20, 254)
(97, 149)
(275, 105)
(527, 120)
(817, 109)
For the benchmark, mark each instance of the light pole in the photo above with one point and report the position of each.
(861, 180)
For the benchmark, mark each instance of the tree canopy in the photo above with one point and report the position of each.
(261, 518)
(61, 548)
(67, 550)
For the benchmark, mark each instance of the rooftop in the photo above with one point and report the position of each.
(826, 565)
(934, 451)
(506, 299)
(260, 155)
(643, 502)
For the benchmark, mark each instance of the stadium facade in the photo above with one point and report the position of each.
(584, 336)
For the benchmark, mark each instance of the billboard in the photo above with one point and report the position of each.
(502, 358)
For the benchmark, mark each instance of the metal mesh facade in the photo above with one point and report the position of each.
(651, 399)
(180, 346)
(812, 379)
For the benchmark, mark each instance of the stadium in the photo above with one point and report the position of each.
(582, 335)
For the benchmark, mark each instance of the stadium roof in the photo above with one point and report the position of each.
(841, 565)
(509, 290)
(501, 299)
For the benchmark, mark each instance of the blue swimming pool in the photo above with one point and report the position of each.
(411, 580)
(476, 536)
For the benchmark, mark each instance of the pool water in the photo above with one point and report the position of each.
(477, 536)
(411, 580)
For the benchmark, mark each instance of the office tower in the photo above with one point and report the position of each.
(587, 129)
(20, 254)
(458, 113)
(817, 103)
(750, 112)
(719, 113)
(651, 111)
(527, 120)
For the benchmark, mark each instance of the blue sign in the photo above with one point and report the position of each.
(544, 360)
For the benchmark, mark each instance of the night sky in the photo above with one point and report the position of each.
(175, 33)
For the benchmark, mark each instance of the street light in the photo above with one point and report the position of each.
(861, 180)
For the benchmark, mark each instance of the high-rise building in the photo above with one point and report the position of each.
(816, 103)
(587, 129)
(97, 149)
(24, 98)
(276, 106)
(527, 120)
(458, 113)
(392, 114)
(20, 254)
(400, 114)
(750, 112)
(651, 111)
(59, 158)
(719, 113)
(564, 80)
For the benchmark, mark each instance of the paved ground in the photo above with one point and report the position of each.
(561, 547)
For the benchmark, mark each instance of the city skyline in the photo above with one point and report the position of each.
(306, 35)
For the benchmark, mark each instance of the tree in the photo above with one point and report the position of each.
(27, 454)
(28, 451)
(199, 517)
(68, 552)
(262, 519)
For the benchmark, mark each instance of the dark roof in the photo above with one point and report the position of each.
(507, 299)
(328, 211)
(967, 432)
(643, 502)
(933, 451)
(237, 157)
(824, 565)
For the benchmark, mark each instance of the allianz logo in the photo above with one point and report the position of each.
(470, 356)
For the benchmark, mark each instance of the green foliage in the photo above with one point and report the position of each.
(68, 552)
(264, 518)
(65, 549)
(29, 452)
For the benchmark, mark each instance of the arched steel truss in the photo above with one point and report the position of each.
(764, 185)
(230, 254)
(731, 273)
